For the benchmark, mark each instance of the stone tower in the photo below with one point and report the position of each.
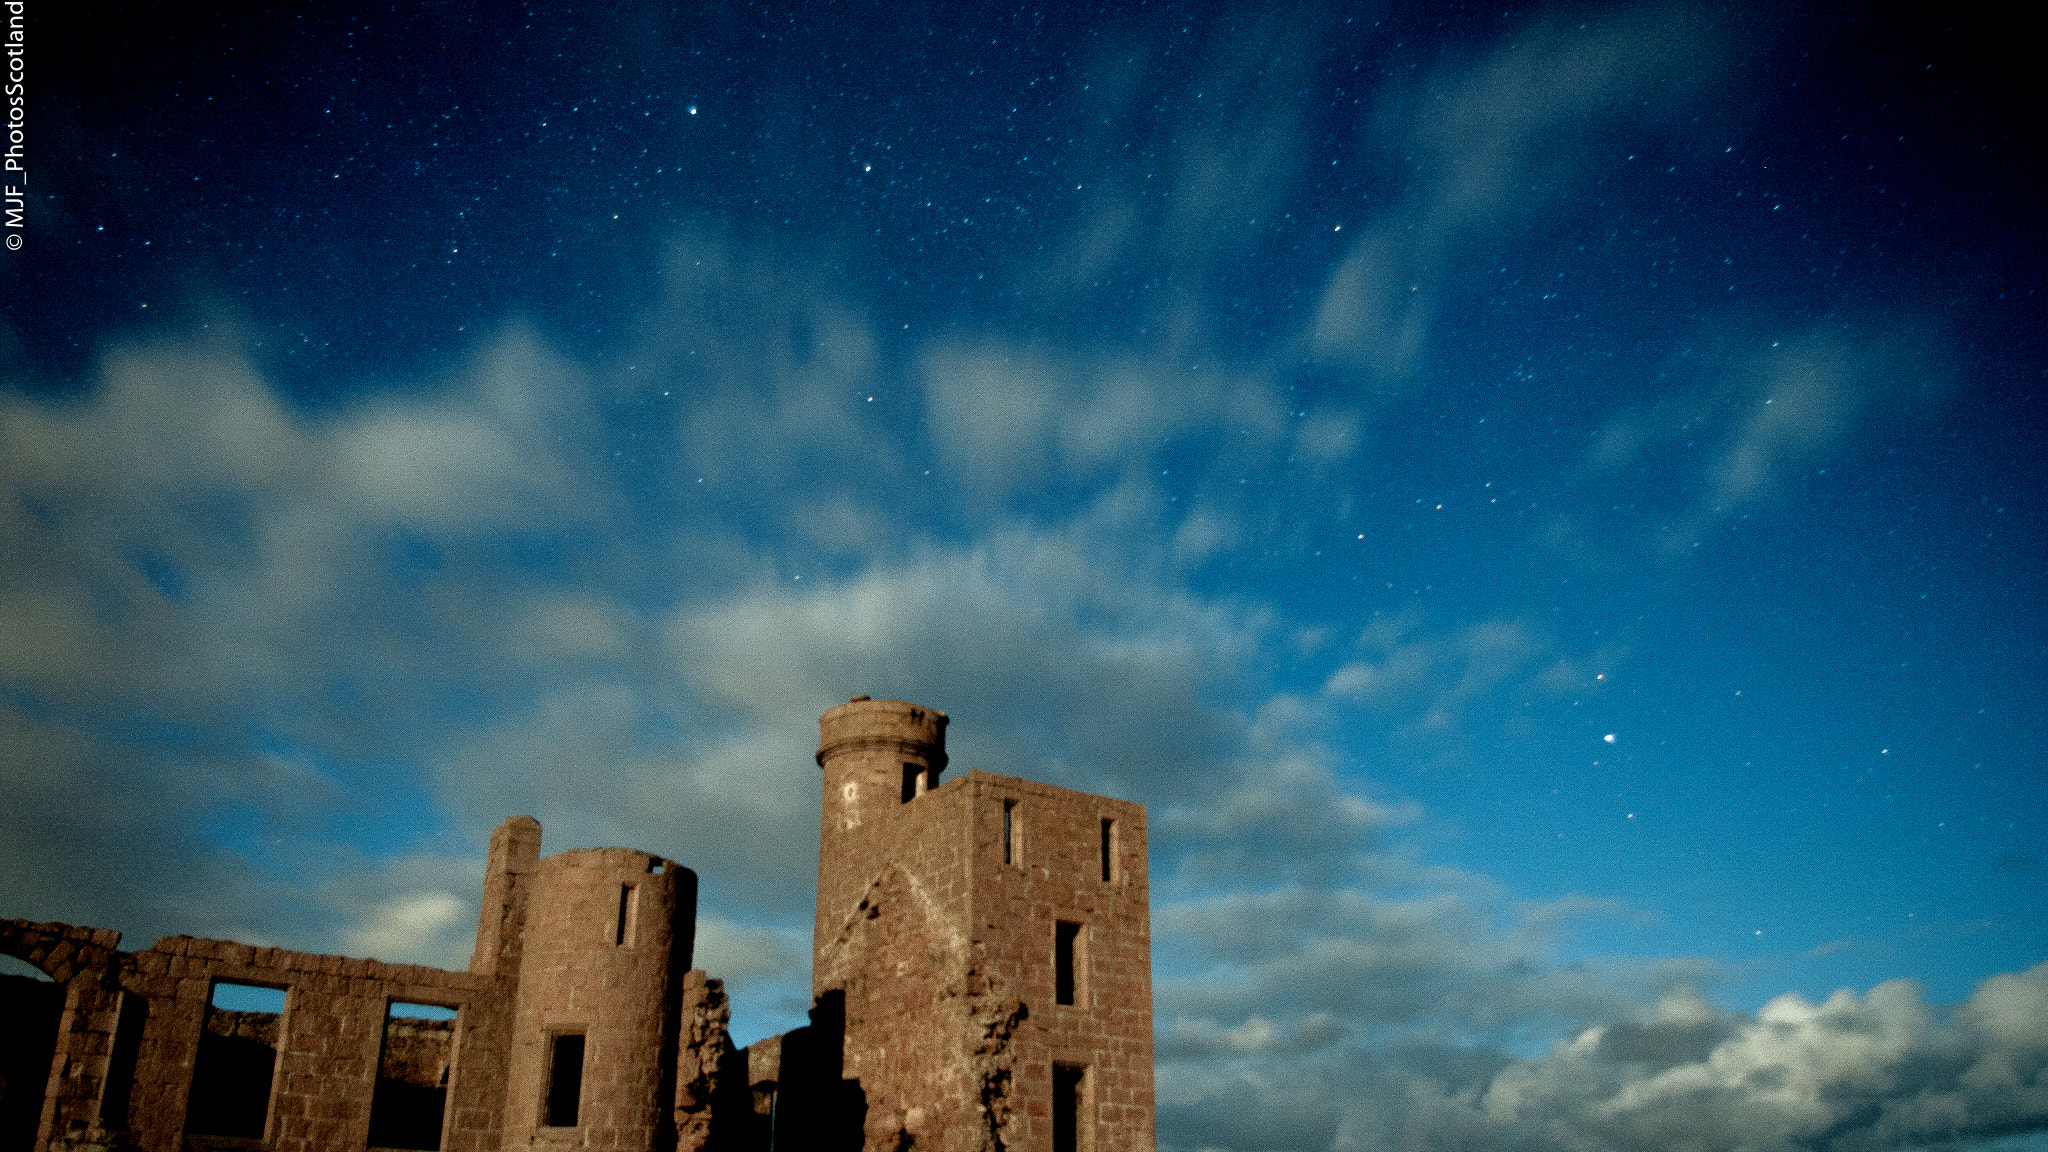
(982, 947)
(876, 754)
(594, 943)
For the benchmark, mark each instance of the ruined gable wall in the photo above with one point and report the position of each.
(902, 957)
(712, 1100)
(418, 1052)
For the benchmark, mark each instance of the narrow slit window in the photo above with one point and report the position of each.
(132, 1015)
(565, 1080)
(1009, 831)
(1108, 851)
(629, 908)
(1069, 1085)
(1066, 947)
(411, 1097)
(913, 782)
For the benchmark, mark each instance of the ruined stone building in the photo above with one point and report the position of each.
(981, 975)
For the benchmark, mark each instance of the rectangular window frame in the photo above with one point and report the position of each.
(916, 782)
(1013, 835)
(1070, 963)
(382, 1103)
(214, 1069)
(556, 1103)
(1072, 1117)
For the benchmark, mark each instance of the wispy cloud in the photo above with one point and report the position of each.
(1747, 415)
(1486, 139)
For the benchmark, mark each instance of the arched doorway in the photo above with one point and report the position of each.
(55, 969)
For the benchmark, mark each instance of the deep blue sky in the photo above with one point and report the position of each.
(1543, 504)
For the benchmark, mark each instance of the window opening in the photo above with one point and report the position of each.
(913, 782)
(1068, 1083)
(1009, 831)
(627, 924)
(565, 1079)
(131, 1016)
(1108, 851)
(31, 1005)
(237, 1061)
(656, 866)
(411, 1096)
(1066, 943)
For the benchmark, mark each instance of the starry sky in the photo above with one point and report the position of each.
(1543, 504)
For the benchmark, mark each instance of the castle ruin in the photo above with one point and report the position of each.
(980, 973)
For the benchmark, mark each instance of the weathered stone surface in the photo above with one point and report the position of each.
(944, 942)
(971, 934)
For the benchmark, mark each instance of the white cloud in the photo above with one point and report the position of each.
(183, 542)
(1014, 418)
(1751, 415)
(1878, 1070)
(1429, 684)
(740, 952)
(416, 928)
(1028, 634)
(573, 627)
(1487, 138)
(1374, 309)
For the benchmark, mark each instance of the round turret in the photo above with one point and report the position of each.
(607, 932)
(877, 753)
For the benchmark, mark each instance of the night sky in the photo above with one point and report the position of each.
(1544, 505)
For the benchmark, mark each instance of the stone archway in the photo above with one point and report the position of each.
(60, 951)
(37, 1101)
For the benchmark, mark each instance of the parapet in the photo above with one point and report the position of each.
(862, 724)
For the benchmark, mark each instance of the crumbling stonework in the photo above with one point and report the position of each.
(981, 976)
(708, 1071)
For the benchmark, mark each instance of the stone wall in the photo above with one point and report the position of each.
(329, 1042)
(417, 1052)
(938, 926)
(1054, 874)
(901, 957)
(941, 981)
